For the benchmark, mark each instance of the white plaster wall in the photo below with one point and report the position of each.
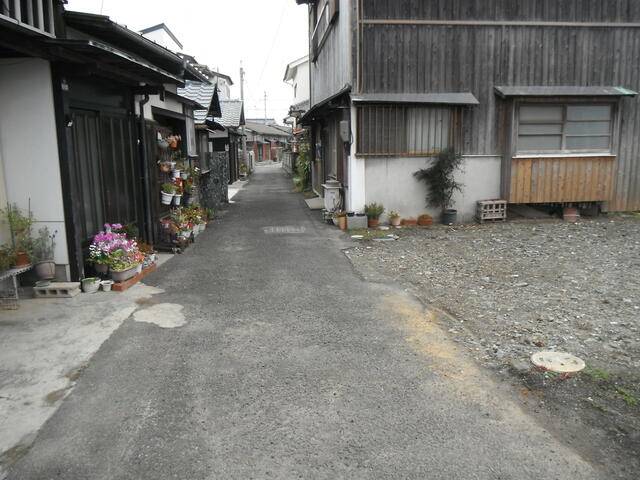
(303, 92)
(161, 37)
(29, 145)
(167, 104)
(390, 181)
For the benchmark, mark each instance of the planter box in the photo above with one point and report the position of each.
(121, 287)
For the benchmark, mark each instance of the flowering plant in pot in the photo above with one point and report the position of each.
(106, 243)
(123, 264)
(43, 254)
(177, 197)
(394, 218)
(441, 183)
(168, 191)
(90, 285)
(373, 212)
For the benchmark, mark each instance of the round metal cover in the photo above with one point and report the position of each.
(558, 362)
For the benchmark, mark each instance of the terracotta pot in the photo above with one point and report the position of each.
(373, 222)
(342, 223)
(395, 221)
(409, 222)
(22, 259)
(425, 220)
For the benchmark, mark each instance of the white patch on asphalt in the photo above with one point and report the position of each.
(284, 229)
(164, 315)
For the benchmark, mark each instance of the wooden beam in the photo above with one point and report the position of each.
(500, 23)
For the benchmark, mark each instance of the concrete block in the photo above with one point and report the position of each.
(58, 290)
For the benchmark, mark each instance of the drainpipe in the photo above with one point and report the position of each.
(145, 170)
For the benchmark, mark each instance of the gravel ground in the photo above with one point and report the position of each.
(519, 287)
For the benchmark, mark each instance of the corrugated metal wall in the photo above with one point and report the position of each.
(416, 58)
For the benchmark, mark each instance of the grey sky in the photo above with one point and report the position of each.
(264, 34)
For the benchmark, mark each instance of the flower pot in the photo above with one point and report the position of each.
(90, 285)
(124, 275)
(395, 221)
(342, 222)
(139, 269)
(177, 199)
(22, 260)
(175, 174)
(106, 285)
(166, 198)
(425, 220)
(101, 268)
(373, 222)
(409, 222)
(46, 270)
(184, 175)
(163, 144)
(165, 167)
(449, 216)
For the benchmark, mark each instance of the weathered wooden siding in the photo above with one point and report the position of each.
(512, 10)
(332, 69)
(561, 179)
(409, 56)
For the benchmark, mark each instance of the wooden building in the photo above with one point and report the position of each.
(538, 96)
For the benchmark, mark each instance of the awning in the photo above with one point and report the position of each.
(106, 56)
(563, 91)
(462, 98)
(315, 109)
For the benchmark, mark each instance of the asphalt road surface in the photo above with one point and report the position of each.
(283, 363)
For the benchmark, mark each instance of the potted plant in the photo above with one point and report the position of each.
(177, 197)
(441, 184)
(122, 267)
(165, 167)
(7, 258)
(43, 254)
(394, 218)
(168, 191)
(90, 285)
(373, 212)
(340, 218)
(20, 227)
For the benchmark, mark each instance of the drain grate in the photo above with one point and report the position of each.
(285, 229)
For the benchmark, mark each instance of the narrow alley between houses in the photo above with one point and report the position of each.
(285, 363)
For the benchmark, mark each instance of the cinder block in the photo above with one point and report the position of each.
(58, 290)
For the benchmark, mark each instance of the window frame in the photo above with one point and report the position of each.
(565, 104)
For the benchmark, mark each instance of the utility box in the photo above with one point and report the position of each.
(332, 197)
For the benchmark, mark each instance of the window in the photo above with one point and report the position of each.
(323, 14)
(565, 128)
(403, 130)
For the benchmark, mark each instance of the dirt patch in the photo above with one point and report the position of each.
(517, 288)
(55, 396)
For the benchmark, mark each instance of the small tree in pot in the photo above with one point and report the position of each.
(373, 212)
(441, 183)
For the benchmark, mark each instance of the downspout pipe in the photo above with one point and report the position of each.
(144, 157)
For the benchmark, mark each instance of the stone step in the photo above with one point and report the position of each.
(58, 290)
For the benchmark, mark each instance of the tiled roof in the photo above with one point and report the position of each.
(232, 113)
(267, 130)
(201, 93)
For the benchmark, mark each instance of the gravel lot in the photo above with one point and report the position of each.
(519, 287)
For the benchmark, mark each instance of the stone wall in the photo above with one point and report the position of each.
(214, 184)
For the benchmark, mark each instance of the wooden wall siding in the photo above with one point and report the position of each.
(332, 69)
(561, 179)
(508, 10)
(432, 58)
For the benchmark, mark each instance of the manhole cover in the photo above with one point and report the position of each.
(290, 229)
(557, 362)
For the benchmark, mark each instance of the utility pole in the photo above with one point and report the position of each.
(265, 108)
(244, 138)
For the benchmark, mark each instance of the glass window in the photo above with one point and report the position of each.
(565, 128)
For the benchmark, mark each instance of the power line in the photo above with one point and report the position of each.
(275, 39)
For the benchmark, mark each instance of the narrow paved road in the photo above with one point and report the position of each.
(289, 365)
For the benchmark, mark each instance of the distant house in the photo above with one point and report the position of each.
(161, 35)
(265, 141)
(539, 97)
(297, 76)
(230, 138)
